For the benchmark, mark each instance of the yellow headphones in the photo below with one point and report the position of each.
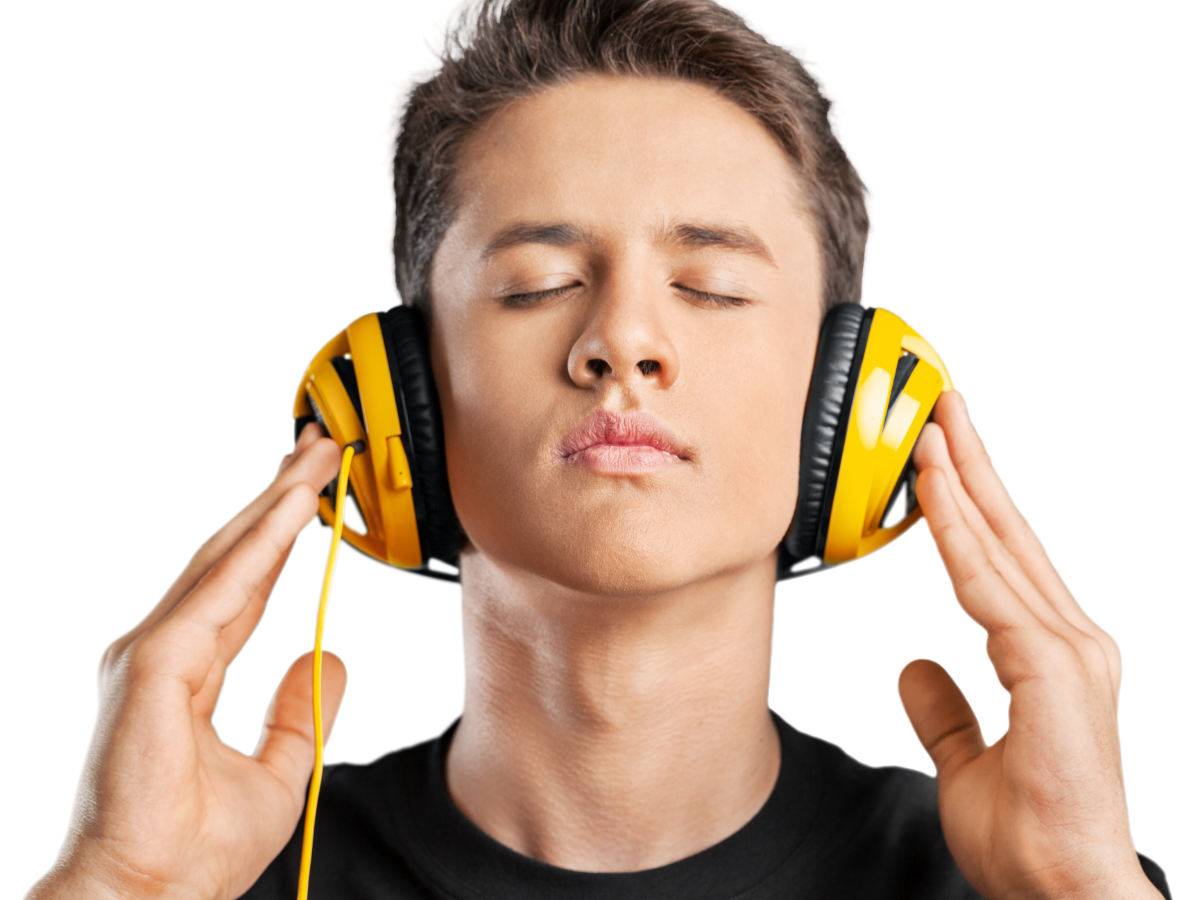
(874, 384)
(875, 381)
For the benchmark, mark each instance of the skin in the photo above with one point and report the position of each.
(603, 609)
(617, 625)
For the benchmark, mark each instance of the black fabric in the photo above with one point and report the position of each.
(407, 346)
(825, 417)
(832, 827)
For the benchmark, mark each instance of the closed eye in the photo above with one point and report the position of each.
(532, 297)
(707, 297)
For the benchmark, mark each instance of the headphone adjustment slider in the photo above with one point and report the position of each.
(398, 464)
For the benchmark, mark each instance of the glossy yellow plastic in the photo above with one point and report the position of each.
(879, 443)
(380, 477)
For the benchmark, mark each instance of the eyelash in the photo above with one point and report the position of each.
(537, 296)
(715, 299)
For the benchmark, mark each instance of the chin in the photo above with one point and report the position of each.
(620, 538)
(622, 559)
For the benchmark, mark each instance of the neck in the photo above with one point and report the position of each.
(610, 734)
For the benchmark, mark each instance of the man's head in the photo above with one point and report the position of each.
(514, 49)
(625, 250)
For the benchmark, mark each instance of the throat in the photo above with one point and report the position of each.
(616, 737)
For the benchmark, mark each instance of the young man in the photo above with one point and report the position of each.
(624, 222)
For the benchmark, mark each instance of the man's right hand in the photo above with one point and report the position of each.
(164, 808)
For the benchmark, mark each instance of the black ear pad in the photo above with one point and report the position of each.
(826, 415)
(421, 426)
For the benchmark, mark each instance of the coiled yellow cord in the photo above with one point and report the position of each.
(310, 814)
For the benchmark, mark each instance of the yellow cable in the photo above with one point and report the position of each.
(310, 814)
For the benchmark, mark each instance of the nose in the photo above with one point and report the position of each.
(624, 339)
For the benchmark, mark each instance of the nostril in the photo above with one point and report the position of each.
(598, 366)
(648, 366)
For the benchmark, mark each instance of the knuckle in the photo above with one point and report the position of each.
(231, 571)
(1064, 660)
(118, 666)
(139, 657)
(110, 659)
(1113, 650)
(1093, 655)
(1108, 643)
(1027, 652)
(305, 493)
(971, 574)
(326, 453)
(1013, 641)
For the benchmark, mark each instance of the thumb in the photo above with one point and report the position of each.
(940, 715)
(286, 746)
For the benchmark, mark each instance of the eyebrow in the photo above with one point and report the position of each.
(724, 237)
(684, 234)
(557, 234)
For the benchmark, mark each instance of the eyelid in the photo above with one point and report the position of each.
(521, 298)
(527, 297)
(711, 297)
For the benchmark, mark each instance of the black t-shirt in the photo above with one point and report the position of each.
(832, 827)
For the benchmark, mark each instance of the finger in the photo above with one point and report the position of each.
(932, 451)
(941, 716)
(981, 591)
(980, 481)
(316, 466)
(191, 633)
(233, 638)
(310, 434)
(236, 633)
(286, 747)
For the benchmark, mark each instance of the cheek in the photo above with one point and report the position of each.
(493, 389)
(755, 436)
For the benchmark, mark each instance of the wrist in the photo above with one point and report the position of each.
(63, 882)
(97, 876)
(1133, 886)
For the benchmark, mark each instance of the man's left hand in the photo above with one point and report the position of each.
(1041, 812)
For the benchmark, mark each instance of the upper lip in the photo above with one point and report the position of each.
(631, 429)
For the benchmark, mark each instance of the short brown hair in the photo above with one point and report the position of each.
(504, 50)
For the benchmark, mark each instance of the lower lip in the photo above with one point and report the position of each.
(622, 459)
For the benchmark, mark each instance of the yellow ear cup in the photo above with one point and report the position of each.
(380, 477)
(879, 441)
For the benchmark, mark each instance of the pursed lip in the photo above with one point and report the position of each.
(619, 443)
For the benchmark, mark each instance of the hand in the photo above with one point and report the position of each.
(164, 808)
(1040, 813)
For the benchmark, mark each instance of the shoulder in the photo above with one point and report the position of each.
(356, 846)
(885, 797)
(372, 788)
(877, 829)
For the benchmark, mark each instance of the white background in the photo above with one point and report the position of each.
(194, 198)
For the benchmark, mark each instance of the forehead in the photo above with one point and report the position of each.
(624, 152)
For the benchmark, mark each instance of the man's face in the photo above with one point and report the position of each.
(625, 312)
